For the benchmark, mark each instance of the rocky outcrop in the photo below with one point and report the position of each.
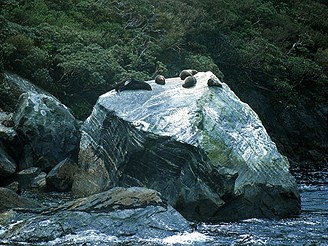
(201, 147)
(10, 200)
(47, 130)
(115, 198)
(123, 215)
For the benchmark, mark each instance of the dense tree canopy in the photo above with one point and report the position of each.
(77, 49)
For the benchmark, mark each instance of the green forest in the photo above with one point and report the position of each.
(77, 49)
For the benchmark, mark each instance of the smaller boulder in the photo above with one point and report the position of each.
(14, 186)
(114, 199)
(39, 182)
(60, 178)
(7, 131)
(26, 176)
(11, 200)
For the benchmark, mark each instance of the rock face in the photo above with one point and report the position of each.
(202, 148)
(7, 164)
(47, 130)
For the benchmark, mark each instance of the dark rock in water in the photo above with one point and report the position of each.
(60, 178)
(190, 81)
(48, 128)
(188, 72)
(203, 149)
(10, 200)
(133, 84)
(160, 79)
(7, 164)
(119, 214)
(26, 176)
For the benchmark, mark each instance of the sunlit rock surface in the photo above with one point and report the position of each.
(201, 147)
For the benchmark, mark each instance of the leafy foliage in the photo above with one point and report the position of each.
(77, 49)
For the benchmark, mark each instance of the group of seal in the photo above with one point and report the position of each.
(188, 72)
(189, 80)
(188, 77)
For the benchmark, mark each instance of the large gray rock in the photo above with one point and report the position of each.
(48, 130)
(201, 147)
(126, 216)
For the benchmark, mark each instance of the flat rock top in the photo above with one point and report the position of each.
(167, 110)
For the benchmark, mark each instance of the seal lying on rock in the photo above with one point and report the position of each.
(160, 79)
(190, 81)
(188, 72)
(132, 84)
(214, 81)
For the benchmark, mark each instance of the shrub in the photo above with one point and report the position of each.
(22, 43)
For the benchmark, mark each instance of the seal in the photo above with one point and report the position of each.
(214, 81)
(188, 72)
(160, 79)
(132, 84)
(190, 81)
